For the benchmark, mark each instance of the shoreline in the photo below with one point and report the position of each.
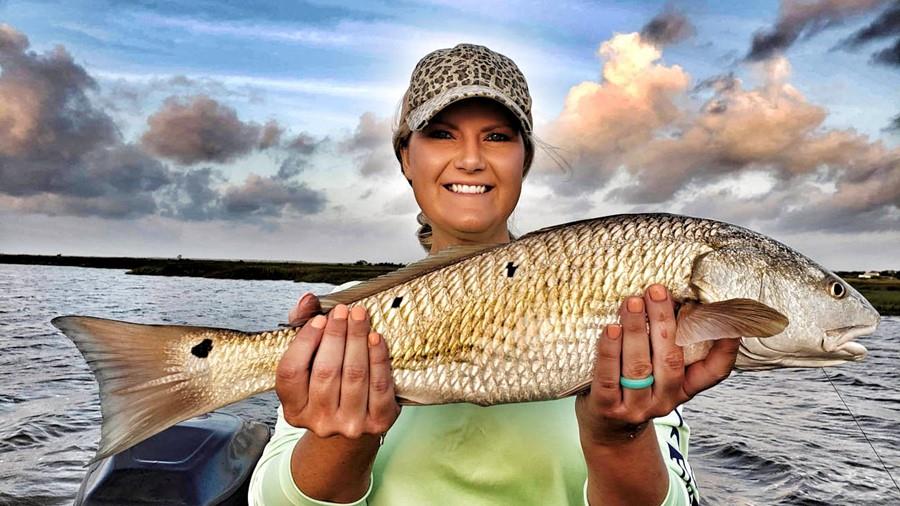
(301, 272)
(883, 292)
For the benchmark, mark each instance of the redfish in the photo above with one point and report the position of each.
(490, 324)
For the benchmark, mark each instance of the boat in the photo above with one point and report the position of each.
(203, 461)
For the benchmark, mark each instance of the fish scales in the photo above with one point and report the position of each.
(566, 287)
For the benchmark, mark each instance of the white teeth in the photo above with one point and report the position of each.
(464, 188)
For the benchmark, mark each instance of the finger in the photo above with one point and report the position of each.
(382, 400)
(325, 380)
(666, 356)
(635, 352)
(292, 373)
(714, 368)
(355, 374)
(307, 306)
(605, 389)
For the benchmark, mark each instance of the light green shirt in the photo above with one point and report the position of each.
(465, 454)
(527, 453)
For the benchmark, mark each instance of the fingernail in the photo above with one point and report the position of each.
(614, 332)
(303, 298)
(358, 313)
(635, 305)
(657, 293)
(374, 338)
(339, 312)
(318, 322)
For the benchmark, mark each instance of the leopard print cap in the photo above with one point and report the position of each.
(448, 75)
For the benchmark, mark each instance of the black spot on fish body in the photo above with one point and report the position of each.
(202, 350)
(510, 269)
(396, 303)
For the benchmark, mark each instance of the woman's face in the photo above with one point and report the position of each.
(466, 169)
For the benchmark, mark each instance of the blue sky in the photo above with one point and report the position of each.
(316, 68)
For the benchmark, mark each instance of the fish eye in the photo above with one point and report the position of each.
(837, 289)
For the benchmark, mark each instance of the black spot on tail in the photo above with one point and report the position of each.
(510, 269)
(397, 301)
(202, 350)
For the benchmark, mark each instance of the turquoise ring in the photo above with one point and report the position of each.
(636, 384)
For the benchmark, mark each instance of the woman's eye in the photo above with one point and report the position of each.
(498, 137)
(440, 134)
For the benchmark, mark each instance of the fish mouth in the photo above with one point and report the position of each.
(749, 360)
(840, 338)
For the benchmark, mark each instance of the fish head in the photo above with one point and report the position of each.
(824, 312)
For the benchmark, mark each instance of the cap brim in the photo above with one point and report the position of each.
(418, 118)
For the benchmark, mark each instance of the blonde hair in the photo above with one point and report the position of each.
(401, 136)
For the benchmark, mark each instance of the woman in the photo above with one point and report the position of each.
(464, 144)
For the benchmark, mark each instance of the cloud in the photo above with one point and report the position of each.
(199, 129)
(667, 27)
(62, 154)
(270, 135)
(602, 122)
(889, 55)
(265, 196)
(894, 125)
(370, 145)
(46, 111)
(647, 137)
(203, 194)
(804, 18)
(886, 25)
(302, 143)
(59, 153)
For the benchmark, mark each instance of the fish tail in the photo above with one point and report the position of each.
(145, 388)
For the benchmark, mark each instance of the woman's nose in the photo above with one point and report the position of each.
(470, 158)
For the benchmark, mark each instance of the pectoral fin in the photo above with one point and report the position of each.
(727, 319)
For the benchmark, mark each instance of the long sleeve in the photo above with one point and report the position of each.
(272, 483)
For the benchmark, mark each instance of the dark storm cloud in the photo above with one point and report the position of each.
(889, 55)
(803, 18)
(667, 28)
(62, 154)
(59, 153)
(46, 112)
(885, 26)
(894, 125)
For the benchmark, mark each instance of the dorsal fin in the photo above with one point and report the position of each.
(448, 256)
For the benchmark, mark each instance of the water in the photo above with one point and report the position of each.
(778, 437)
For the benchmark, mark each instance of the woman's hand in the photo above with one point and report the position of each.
(610, 413)
(335, 377)
(335, 380)
(624, 462)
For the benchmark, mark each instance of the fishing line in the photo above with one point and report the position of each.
(861, 429)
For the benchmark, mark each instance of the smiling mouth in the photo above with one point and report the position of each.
(467, 189)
